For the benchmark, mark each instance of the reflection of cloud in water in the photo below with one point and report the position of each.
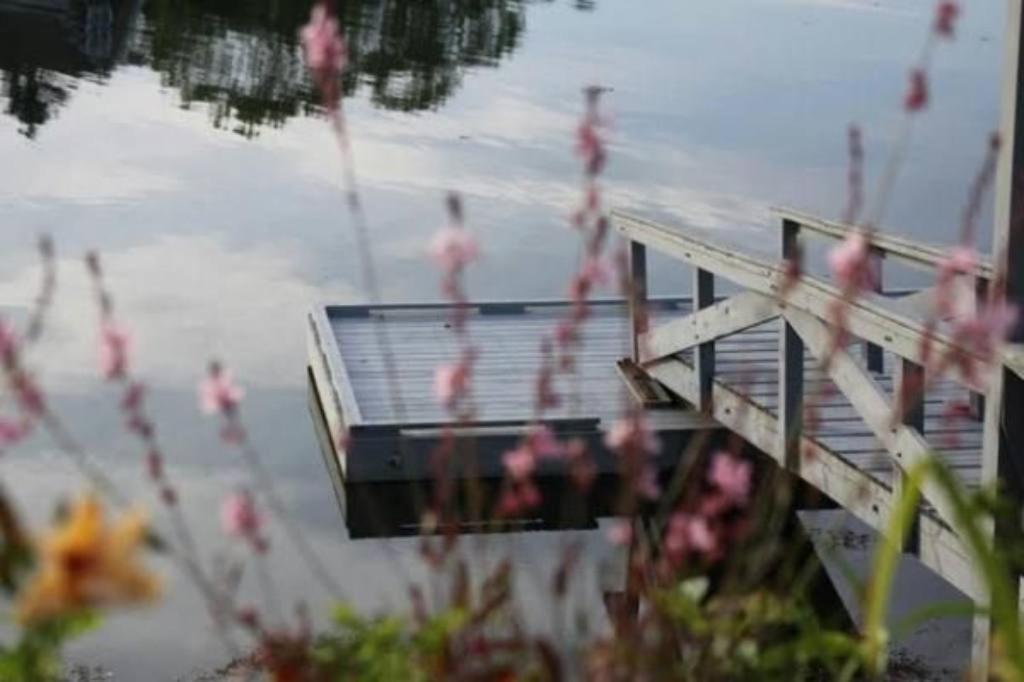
(185, 299)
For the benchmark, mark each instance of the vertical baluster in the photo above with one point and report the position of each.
(874, 355)
(638, 296)
(704, 354)
(791, 367)
(909, 390)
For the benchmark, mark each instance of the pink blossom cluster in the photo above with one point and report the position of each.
(452, 380)
(946, 14)
(326, 52)
(633, 440)
(114, 345)
(705, 528)
(851, 264)
(520, 493)
(220, 395)
(240, 518)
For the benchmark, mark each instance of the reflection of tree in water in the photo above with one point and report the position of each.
(243, 59)
(45, 45)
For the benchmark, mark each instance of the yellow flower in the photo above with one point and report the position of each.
(84, 562)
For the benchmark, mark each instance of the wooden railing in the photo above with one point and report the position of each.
(805, 314)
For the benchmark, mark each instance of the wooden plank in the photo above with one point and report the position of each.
(704, 354)
(906, 445)
(862, 495)
(869, 317)
(913, 253)
(734, 314)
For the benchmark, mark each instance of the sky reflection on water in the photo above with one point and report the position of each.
(182, 140)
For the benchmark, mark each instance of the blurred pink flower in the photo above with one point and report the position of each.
(621, 533)
(917, 91)
(731, 475)
(590, 146)
(451, 381)
(543, 443)
(850, 263)
(114, 343)
(453, 248)
(982, 333)
(961, 261)
(688, 532)
(218, 392)
(239, 517)
(325, 48)
(12, 431)
(632, 432)
(595, 270)
(946, 14)
(519, 463)
(954, 297)
(8, 343)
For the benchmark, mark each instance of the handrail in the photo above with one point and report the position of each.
(871, 316)
(916, 254)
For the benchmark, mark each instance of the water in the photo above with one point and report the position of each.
(183, 141)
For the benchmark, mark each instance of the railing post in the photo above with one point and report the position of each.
(638, 295)
(978, 399)
(704, 354)
(1002, 459)
(909, 389)
(874, 355)
(791, 368)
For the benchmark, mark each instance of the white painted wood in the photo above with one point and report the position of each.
(734, 314)
(870, 317)
(911, 252)
(864, 496)
(906, 445)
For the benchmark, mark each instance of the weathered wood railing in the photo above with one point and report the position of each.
(805, 327)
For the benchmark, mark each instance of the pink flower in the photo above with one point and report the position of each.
(962, 260)
(951, 299)
(982, 333)
(453, 248)
(451, 381)
(519, 463)
(595, 270)
(621, 533)
(114, 343)
(917, 91)
(589, 146)
(543, 443)
(8, 343)
(687, 532)
(12, 431)
(239, 517)
(850, 263)
(632, 433)
(945, 17)
(218, 392)
(731, 475)
(325, 48)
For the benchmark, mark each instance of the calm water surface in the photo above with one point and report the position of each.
(181, 138)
